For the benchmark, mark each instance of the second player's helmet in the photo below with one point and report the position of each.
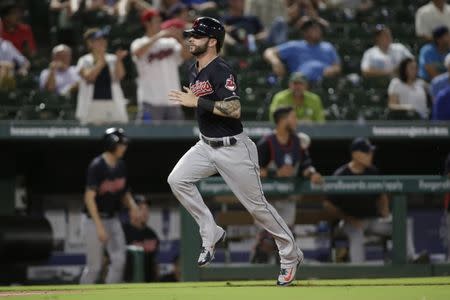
(114, 136)
(209, 27)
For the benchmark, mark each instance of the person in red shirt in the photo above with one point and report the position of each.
(15, 31)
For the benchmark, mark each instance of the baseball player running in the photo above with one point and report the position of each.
(106, 189)
(224, 148)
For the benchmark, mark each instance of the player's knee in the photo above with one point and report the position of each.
(174, 179)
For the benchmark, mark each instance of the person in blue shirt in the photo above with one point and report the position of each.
(441, 107)
(312, 56)
(442, 81)
(432, 55)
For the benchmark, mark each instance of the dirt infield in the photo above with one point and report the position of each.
(37, 293)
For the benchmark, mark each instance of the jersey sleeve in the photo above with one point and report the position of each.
(93, 179)
(225, 84)
(285, 51)
(263, 152)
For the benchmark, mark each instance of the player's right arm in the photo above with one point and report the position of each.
(230, 108)
(89, 200)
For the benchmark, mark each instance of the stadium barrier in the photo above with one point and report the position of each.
(396, 186)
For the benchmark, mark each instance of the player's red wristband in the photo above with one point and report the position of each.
(206, 104)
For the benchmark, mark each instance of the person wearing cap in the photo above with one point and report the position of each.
(138, 233)
(433, 14)
(283, 154)
(312, 56)
(107, 191)
(157, 56)
(307, 105)
(362, 213)
(384, 57)
(442, 81)
(224, 148)
(60, 77)
(432, 55)
(100, 96)
(14, 30)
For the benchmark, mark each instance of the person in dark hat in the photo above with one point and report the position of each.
(432, 55)
(361, 213)
(14, 30)
(312, 56)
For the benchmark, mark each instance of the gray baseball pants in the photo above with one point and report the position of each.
(238, 166)
(116, 247)
(378, 226)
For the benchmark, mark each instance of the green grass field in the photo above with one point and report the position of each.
(434, 288)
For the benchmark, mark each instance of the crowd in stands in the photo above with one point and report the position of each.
(350, 59)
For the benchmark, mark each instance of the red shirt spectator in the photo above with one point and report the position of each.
(18, 33)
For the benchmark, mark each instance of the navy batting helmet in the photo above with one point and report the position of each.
(114, 136)
(207, 27)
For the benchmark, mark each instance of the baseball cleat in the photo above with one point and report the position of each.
(287, 274)
(207, 253)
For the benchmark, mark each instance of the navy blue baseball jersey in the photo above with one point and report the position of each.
(110, 184)
(273, 155)
(215, 82)
(359, 206)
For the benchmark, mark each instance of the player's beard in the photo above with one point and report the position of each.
(199, 50)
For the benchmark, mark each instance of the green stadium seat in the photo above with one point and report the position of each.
(402, 115)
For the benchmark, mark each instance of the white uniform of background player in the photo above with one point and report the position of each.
(157, 56)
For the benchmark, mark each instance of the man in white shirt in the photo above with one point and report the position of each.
(383, 58)
(157, 56)
(60, 76)
(434, 14)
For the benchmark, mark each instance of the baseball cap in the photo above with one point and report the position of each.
(447, 61)
(173, 23)
(148, 14)
(362, 144)
(297, 77)
(440, 31)
(96, 33)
